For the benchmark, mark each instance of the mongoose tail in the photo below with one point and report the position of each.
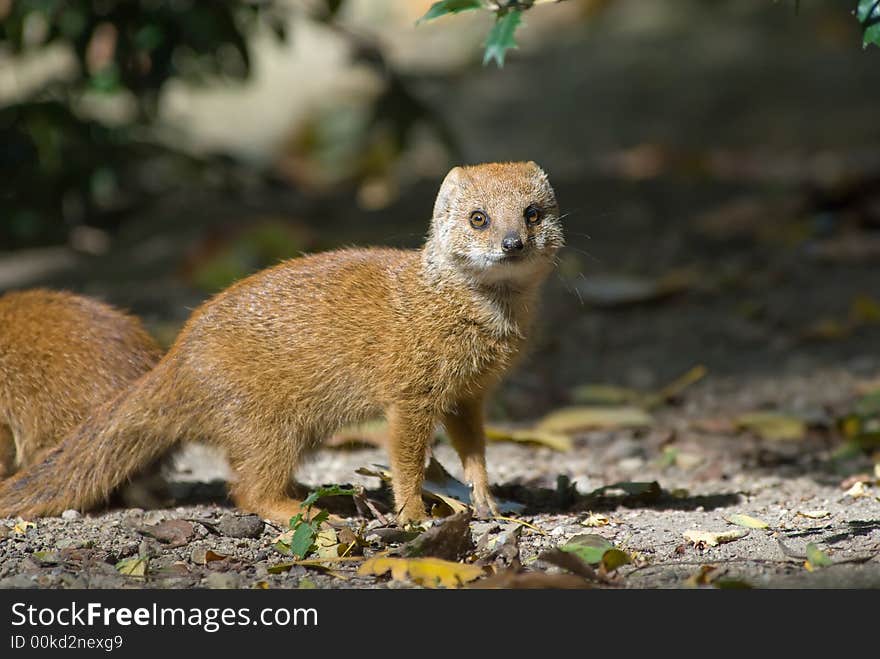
(98, 456)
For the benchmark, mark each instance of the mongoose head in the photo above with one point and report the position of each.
(497, 223)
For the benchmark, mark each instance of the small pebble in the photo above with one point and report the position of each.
(70, 515)
(241, 526)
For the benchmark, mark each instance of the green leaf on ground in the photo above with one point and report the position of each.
(501, 38)
(816, 558)
(593, 549)
(589, 547)
(302, 540)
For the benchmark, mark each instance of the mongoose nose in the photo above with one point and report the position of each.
(512, 243)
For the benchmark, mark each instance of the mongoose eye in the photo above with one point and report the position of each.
(532, 215)
(479, 220)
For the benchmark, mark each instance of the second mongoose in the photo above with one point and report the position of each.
(277, 362)
(61, 355)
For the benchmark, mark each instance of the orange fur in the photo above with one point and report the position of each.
(270, 367)
(61, 355)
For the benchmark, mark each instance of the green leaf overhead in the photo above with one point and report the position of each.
(868, 13)
(445, 7)
(501, 38)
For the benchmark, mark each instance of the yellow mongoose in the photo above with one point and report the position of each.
(61, 355)
(277, 362)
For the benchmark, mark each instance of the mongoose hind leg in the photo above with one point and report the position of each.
(264, 471)
(465, 428)
(411, 429)
(7, 451)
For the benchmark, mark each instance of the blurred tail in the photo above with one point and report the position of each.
(112, 444)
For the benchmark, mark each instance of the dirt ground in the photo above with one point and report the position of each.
(708, 477)
(724, 213)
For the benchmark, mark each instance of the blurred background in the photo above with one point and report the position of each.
(718, 162)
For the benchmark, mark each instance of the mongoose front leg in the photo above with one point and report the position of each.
(465, 428)
(410, 431)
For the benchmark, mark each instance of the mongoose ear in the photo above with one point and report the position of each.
(448, 188)
(540, 172)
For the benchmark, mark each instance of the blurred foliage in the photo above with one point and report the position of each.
(59, 167)
(223, 259)
(868, 13)
(508, 17)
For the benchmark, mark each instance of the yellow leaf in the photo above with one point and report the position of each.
(556, 441)
(428, 572)
(596, 520)
(773, 426)
(865, 310)
(21, 526)
(572, 419)
(859, 489)
(747, 521)
(710, 539)
(814, 514)
(679, 384)
(135, 566)
(327, 543)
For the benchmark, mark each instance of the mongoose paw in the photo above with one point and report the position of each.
(484, 505)
(411, 515)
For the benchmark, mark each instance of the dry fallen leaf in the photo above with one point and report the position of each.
(135, 566)
(21, 526)
(573, 419)
(747, 521)
(814, 514)
(713, 539)
(428, 572)
(859, 489)
(554, 440)
(594, 520)
(450, 540)
(773, 426)
(201, 556)
(327, 544)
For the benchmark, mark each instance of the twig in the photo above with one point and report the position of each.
(523, 523)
